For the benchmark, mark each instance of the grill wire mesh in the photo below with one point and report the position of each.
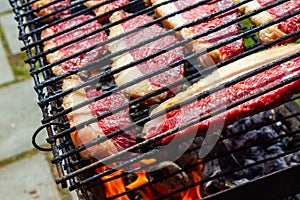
(77, 173)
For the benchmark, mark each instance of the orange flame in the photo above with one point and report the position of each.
(115, 186)
(194, 192)
(141, 179)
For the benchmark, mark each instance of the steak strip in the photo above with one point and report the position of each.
(106, 7)
(75, 47)
(50, 9)
(227, 96)
(104, 126)
(156, 82)
(215, 56)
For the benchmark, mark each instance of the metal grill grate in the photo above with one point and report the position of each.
(76, 173)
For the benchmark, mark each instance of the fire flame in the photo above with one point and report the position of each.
(115, 186)
(141, 179)
(194, 192)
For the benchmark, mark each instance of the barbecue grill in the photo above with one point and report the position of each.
(215, 180)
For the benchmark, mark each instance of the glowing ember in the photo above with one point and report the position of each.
(115, 186)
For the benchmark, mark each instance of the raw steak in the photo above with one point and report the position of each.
(218, 55)
(146, 67)
(107, 7)
(74, 47)
(50, 9)
(230, 95)
(104, 126)
(278, 30)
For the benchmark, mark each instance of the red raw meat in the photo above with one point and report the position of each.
(146, 67)
(74, 47)
(218, 55)
(227, 96)
(114, 122)
(104, 126)
(50, 9)
(106, 7)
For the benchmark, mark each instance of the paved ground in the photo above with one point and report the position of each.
(25, 173)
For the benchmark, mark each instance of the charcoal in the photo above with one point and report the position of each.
(294, 197)
(256, 153)
(296, 157)
(242, 138)
(247, 123)
(240, 181)
(213, 186)
(275, 149)
(170, 184)
(210, 170)
(191, 155)
(250, 172)
(275, 165)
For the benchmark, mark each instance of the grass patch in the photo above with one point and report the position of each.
(248, 41)
(297, 100)
(18, 157)
(19, 67)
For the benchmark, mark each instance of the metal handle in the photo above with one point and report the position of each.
(33, 141)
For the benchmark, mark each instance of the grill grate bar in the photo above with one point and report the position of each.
(24, 5)
(83, 11)
(109, 171)
(135, 14)
(170, 132)
(154, 22)
(37, 19)
(230, 172)
(223, 138)
(92, 47)
(183, 42)
(140, 145)
(175, 63)
(74, 27)
(96, 178)
(277, 192)
(171, 47)
(141, 99)
(202, 95)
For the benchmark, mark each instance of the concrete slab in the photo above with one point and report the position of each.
(28, 179)
(6, 74)
(5, 6)
(74, 195)
(20, 117)
(9, 25)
